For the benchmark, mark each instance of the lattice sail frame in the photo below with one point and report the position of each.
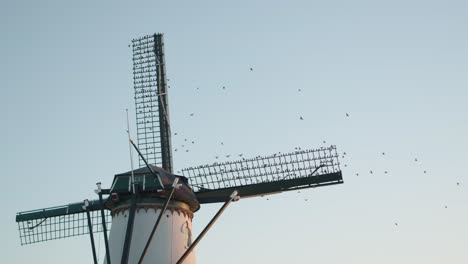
(274, 168)
(49, 223)
(151, 101)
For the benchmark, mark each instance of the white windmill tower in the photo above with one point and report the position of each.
(151, 207)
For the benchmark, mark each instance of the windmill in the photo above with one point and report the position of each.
(146, 214)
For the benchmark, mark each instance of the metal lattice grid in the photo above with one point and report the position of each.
(56, 227)
(145, 80)
(273, 168)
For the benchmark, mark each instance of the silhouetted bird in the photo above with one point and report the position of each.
(324, 142)
(396, 224)
(224, 87)
(191, 114)
(175, 134)
(458, 183)
(251, 69)
(386, 172)
(357, 174)
(383, 153)
(222, 143)
(445, 207)
(371, 172)
(187, 150)
(347, 114)
(425, 172)
(175, 150)
(415, 159)
(299, 90)
(300, 118)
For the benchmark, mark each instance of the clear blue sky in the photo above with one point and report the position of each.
(399, 68)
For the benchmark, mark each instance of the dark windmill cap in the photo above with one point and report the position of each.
(149, 184)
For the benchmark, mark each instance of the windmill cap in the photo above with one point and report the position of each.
(150, 184)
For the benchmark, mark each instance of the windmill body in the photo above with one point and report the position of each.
(174, 233)
(170, 242)
(149, 210)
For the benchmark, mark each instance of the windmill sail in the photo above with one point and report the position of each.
(265, 175)
(151, 101)
(58, 222)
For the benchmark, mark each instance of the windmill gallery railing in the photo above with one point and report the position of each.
(266, 174)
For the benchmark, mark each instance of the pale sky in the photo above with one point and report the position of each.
(398, 68)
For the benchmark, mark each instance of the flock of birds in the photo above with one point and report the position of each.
(184, 147)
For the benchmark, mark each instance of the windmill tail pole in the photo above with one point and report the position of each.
(90, 227)
(103, 221)
(232, 197)
(163, 210)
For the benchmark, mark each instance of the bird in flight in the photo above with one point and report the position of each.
(300, 118)
(347, 115)
(224, 87)
(251, 69)
(191, 114)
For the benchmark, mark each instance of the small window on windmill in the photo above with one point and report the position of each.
(187, 233)
(139, 179)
